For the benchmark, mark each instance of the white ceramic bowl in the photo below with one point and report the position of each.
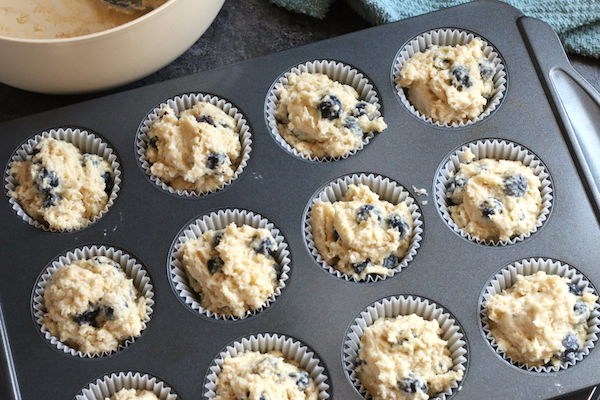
(109, 58)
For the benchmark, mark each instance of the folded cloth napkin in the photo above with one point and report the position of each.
(576, 21)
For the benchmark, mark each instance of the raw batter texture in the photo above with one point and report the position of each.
(494, 199)
(132, 394)
(92, 306)
(257, 376)
(361, 234)
(198, 150)
(449, 83)
(405, 358)
(60, 187)
(541, 319)
(233, 270)
(322, 118)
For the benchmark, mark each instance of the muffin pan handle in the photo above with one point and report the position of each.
(9, 386)
(575, 100)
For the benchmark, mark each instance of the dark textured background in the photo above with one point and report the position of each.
(243, 29)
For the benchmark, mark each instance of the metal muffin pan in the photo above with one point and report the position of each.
(543, 107)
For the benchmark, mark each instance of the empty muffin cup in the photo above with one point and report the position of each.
(86, 142)
(497, 149)
(179, 104)
(336, 71)
(133, 270)
(395, 306)
(507, 277)
(388, 190)
(108, 385)
(216, 221)
(450, 37)
(291, 349)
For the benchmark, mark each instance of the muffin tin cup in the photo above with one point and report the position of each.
(498, 149)
(450, 37)
(387, 190)
(292, 350)
(180, 104)
(507, 277)
(107, 386)
(215, 221)
(86, 142)
(395, 306)
(336, 71)
(130, 266)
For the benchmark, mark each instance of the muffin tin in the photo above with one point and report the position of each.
(316, 308)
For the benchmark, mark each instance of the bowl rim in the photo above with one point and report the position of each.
(95, 35)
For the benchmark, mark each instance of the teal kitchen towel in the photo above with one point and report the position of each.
(577, 22)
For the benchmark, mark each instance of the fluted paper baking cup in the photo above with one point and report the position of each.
(180, 104)
(392, 307)
(130, 266)
(86, 142)
(108, 385)
(507, 277)
(292, 350)
(497, 149)
(450, 37)
(215, 221)
(387, 190)
(395, 306)
(336, 71)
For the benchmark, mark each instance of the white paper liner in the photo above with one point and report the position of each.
(86, 142)
(215, 221)
(180, 104)
(130, 266)
(450, 37)
(506, 278)
(498, 149)
(292, 350)
(336, 71)
(108, 385)
(391, 307)
(387, 190)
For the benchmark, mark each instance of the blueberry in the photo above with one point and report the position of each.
(458, 181)
(391, 262)
(580, 307)
(351, 124)
(460, 77)
(51, 200)
(361, 266)
(46, 180)
(359, 109)
(411, 384)
(205, 118)
(574, 289)
(486, 69)
(365, 211)
(108, 182)
(214, 264)
(515, 185)
(491, 206)
(266, 246)
(109, 312)
(302, 379)
(217, 239)
(88, 317)
(571, 347)
(336, 235)
(91, 158)
(330, 107)
(443, 63)
(397, 222)
(153, 142)
(216, 159)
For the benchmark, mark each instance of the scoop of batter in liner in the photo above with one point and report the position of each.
(323, 118)
(132, 394)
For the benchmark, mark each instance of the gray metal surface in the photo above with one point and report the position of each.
(315, 307)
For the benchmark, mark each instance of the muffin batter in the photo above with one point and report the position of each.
(92, 306)
(541, 319)
(361, 234)
(233, 270)
(494, 199)
(450, 84)
(405, 358)
(132, 394)
(322, 118)
(257, 376)
(60, 187)
(199, 150)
